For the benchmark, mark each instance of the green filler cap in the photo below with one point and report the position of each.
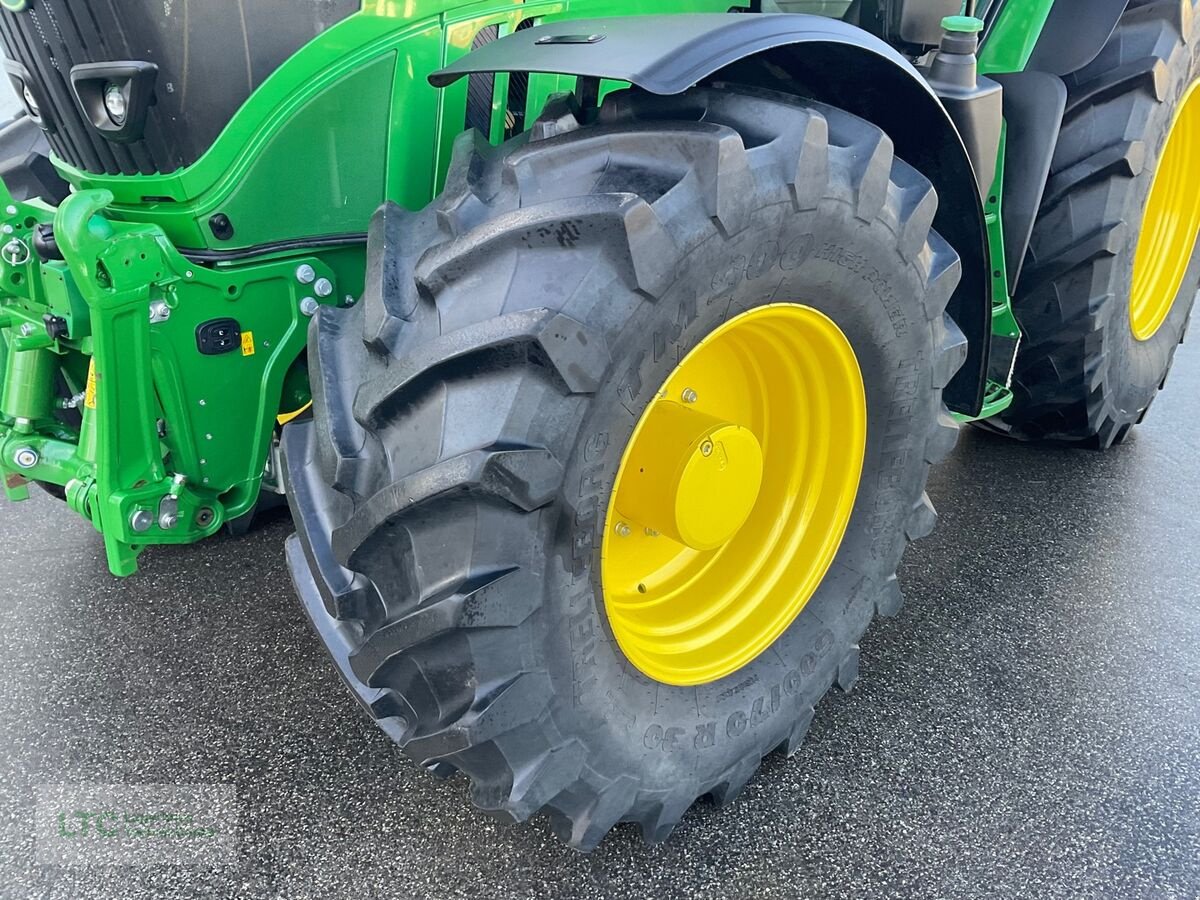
(963, 24)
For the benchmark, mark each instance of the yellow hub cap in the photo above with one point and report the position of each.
(1170, 223)
(734, 494)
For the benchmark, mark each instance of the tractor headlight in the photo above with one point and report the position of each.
(114, 103)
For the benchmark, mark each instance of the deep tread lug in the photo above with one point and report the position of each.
(479, 604)
(520, 701)
(872, 170)
(917, 211)
(390, 295)
(734, 781)
(798, 733)
(527, 479)
(1125, 159)
(951, 352)
(847, 671)
(623, 223)
(945, 273)
(890, 598)
(811, 176)
(922, 520)
(942, 441)
(578, 355)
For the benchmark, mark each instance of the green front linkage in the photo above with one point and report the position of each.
(103, 392)
(166, 445)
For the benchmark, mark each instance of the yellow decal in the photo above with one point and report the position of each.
(89, 392)
(284, 418)
(247, 343)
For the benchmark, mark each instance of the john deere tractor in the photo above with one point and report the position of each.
(601, 356)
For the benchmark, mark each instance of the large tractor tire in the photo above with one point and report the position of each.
(580, 511)
(1114, 265)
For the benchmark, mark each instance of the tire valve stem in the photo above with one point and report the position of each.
(623, 530)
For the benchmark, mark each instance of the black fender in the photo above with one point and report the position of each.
(826, 59)
(1075, 33)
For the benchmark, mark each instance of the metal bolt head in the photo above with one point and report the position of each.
(323, 287)
(690, 396)
(706, 448)
(305, 273)
(309, 306)
(26, 457)
(27, 329)
(650, 532)
(623, 530)
(10, 209)
(159, 311)
(167, 521)
(141, 520)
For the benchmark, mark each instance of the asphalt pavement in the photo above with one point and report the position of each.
(1028, 727)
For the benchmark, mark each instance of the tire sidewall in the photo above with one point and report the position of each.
(851, 271)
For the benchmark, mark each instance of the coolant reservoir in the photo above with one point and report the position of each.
(974, 102)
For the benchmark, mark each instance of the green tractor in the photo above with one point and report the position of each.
(601, 357)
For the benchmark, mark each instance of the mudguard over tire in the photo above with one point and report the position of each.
(1081, 374)
(470, 415)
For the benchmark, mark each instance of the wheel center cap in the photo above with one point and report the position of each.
(697, 477)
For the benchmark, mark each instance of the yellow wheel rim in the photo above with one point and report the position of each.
(1170, 223)
(734, 494)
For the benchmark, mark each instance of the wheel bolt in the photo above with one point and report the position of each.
(323, 287)
(623, 530)
(305, 273)
(309, 306)
(690, 396)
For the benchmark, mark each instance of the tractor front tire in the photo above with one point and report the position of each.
(453, 490)
(1114, 265)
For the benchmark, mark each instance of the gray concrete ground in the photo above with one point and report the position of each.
(1028, 727)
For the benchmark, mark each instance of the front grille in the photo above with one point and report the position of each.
(48, 39)
(210, 56)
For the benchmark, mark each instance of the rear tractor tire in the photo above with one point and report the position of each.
(615, 461)
(1114, 264)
